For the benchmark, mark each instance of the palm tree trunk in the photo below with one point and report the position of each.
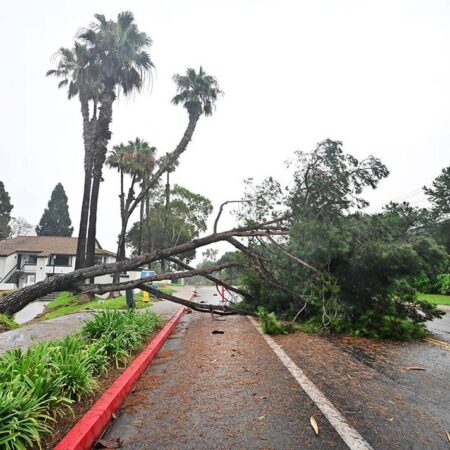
(147, 221)
(84, 216)
(103, 136)
(141, 224)
(166, 214)
(181, 147)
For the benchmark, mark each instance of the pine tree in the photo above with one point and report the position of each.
(5, 210)
(56, 220)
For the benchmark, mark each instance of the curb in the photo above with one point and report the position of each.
(92, 425)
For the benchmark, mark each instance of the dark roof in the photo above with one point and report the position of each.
(44, 246)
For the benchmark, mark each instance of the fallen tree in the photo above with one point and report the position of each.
(77, 281)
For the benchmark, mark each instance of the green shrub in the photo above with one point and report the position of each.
(6, 323)
(34, 369)
(269, 322)
(119, 333)
(443, 283)
(24, 418)
(43, 381)
(73, 364)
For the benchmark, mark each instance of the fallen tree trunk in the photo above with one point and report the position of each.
(221, 310)
(74, 280)
(104, 288)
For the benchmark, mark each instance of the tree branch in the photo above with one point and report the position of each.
(20, 298)
(216, 222)
(211, 278)
(294, 258)
(222, 310)
(103, 288)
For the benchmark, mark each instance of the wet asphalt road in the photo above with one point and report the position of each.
(229, 391)
(441, 327)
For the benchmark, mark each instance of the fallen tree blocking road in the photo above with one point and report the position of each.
(77, 281)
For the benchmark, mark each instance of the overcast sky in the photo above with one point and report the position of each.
(374, 74)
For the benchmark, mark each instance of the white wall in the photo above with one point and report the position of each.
(6, 264)
(43, 270)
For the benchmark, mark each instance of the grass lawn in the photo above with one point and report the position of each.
(435, 298)
(67, 304)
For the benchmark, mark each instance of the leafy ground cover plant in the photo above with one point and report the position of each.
(41, 383)
(270, 324)
(118, 334)
(6, 323)
(24, 418)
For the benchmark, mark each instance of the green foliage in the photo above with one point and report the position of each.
(43, 381)
(118, 52)
(56, 220)
(443, 280)
(25, 417)
(385, 327)
(118, 334)
(5, 212)
(317, 194)
(197, 92)
(438, 194)
(6, 323)
(371, 266)
(183, 220)
(269, 322)
(367, 265)
(232, 274)
(66, 303)
(433, 284)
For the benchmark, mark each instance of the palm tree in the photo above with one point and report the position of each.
(198, 93)
(119, 50)
(116, 160)
(146, 162)
(136, 159)
(79, 75)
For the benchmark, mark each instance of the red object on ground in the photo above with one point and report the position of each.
(223, 294)
(91, 426)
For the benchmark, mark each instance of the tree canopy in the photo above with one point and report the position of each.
(197, 92)
(187, 214)
(56, 220)
(343, 269)
(439, 192)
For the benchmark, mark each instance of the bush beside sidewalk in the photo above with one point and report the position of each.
(41, 384)
(65, 325)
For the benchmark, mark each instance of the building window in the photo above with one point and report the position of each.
(100, 259)
(59, 260)
(31, 260)
(31, 278)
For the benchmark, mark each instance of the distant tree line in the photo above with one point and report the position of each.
(55, 220)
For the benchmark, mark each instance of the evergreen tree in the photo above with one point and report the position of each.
(439, 193)
(56, 220)
(5, 210)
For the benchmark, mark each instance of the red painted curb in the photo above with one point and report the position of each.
(91, 426)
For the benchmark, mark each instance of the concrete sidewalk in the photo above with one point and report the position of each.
(63, 326)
